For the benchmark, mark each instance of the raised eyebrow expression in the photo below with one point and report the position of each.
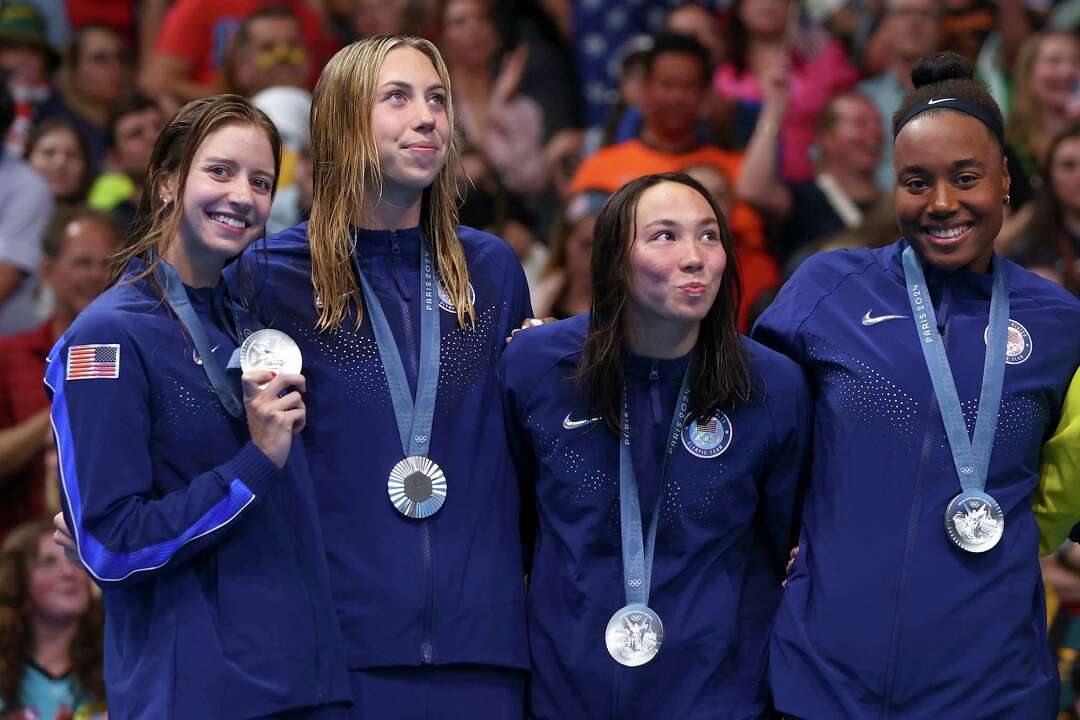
(702, 224)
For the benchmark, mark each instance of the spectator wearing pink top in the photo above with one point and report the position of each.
(820, 70)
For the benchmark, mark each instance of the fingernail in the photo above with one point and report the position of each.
(273, 374)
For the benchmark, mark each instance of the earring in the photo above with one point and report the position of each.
(165, 199)
(1005, 200)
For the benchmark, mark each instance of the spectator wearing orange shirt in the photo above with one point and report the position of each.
(676, 82)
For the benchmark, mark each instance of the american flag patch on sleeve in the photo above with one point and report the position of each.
(93, 361)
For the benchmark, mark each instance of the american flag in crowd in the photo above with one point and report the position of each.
(93, 361)
(709, 427)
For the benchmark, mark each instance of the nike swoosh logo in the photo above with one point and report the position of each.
(867, 320)
(214, 349)
(935, 101)
(575, 424)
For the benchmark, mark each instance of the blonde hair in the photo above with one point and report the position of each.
(345, 163)
(1022, 127)
(157, 222)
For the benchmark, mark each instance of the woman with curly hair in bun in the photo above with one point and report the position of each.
(938, 369)
(50, 630)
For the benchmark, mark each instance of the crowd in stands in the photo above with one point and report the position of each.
(782, 109)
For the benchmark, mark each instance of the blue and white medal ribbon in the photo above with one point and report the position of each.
(177, 299)
(635, 633)
(417, 485)
(973, 520)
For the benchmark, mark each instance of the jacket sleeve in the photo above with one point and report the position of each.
(521, 453)
(787, 479)
(125, 528)
(1057, 501)
(780, 326)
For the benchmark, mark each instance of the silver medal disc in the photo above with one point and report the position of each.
(634, 635)
(974, 521)
(417, 487)
(270, 350)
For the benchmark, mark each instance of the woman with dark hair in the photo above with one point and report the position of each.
(50, 630)
(653, 412)
(938, 369)
(189, 501)
(56, 150)
(1050, 242)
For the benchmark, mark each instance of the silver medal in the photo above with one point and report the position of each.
(974, 521)
(270, 350)
(417, 487)
(634, 635)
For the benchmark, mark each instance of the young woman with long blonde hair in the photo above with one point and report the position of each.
(400, 315)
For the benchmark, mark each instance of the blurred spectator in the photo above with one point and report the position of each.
(133, 127)
(58, 153)
(289, 108)
(624, 120)
(94, 75)
(503, 124)
(196, 37)
(676, 80)
(27, 61)
(25, 206)
(910, 30)
(387, 17)
(698, 21)
(1050, 242)
(849, 140)
(598, 28)
(268, 52)
(758, 271)
(1044, 104)
(77, 244)
(764, 36)
(51, 631)
(565, 288)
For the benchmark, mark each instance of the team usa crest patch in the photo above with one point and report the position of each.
(85, 362)
(1018, 345)
(709, 439)
(447, 303)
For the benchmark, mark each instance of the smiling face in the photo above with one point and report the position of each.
(59, 591)
(951, 183)
(677, 258)
(410, 122)
(226, 199)
(80, 272)
(1055, 70)
(58, 158)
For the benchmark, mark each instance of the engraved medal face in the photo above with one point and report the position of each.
(417, 487)
(270, 350)
(634, 635)
(974, 521)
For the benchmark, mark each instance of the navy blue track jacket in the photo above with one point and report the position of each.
(726, 524)
(210, 558)
(447, 589)
(883, 616)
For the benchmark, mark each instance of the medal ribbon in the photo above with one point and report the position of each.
(413, 418)
(970, 455)
(638, 555)
(177, 298)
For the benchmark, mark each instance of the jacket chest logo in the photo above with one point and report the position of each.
(709, 439)
(447, 303)
(1018, 345)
